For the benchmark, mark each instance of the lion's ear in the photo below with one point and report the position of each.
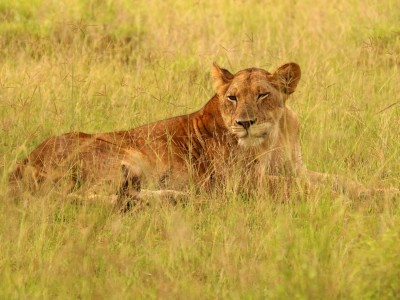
(287, 77)
(221, 76)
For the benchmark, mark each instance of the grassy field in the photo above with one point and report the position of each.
(99, 66)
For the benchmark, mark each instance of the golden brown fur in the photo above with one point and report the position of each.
(246, 124)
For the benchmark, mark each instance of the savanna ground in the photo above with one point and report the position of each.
(99, 66)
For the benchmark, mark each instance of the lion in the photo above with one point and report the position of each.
(246, 127)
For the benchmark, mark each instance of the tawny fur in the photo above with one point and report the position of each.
(246, 124)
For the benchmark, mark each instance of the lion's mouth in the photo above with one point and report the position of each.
(254, 135)
(250, 141)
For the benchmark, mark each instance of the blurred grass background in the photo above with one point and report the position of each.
(98, 66)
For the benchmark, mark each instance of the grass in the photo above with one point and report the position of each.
(98, 66)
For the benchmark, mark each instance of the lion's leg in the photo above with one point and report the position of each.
(284, 187)
(347, 186)
(146, 197)
(128, 187)
(131, 194)
(278, 186)
(171, 196)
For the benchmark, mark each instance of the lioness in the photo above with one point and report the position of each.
(246, 126)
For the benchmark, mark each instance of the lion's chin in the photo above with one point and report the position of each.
(250, 141)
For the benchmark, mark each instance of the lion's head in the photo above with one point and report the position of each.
(252, 101)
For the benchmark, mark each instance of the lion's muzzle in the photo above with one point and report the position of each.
(254, 135)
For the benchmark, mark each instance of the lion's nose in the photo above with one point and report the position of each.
(246, 123)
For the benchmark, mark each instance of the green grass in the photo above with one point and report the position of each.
(98, 66)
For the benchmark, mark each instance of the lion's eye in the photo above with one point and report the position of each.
(263, 95)
(232, 98)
